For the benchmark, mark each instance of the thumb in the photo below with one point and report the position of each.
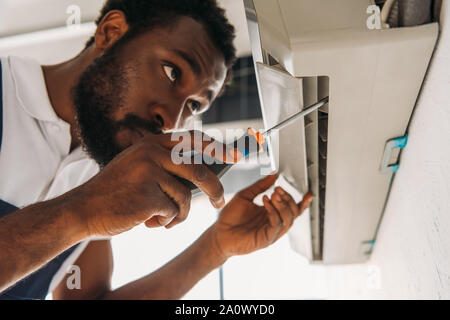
(157, 221)
(259, 187)
(306, 202)
(153, 223)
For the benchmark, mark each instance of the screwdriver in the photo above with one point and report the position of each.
(252, 142)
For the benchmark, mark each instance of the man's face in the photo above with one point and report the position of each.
(155, 82)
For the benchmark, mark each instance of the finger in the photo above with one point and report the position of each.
(305, 203)
(200, 142)
(166, 210)
(272, 213)
(287, 216)
(290, 201)
(274, 220)
(153, 222)
(178, 192)
(257, 188)
(198, 174)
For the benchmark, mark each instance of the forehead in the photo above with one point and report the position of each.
(187, 39)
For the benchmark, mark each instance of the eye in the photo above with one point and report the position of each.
(171, 73)
(194, 107)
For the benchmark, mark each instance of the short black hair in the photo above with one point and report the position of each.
(143, 15)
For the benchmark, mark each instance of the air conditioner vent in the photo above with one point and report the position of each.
(323, 130)
(323, 138)
(316, 133)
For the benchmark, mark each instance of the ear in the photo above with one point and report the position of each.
(110, 29)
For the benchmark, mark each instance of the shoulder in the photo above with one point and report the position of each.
(76, 169)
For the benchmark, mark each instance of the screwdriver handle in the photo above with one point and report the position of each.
(250, 143)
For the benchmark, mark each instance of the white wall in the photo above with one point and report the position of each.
(23, 16)
(51, 46)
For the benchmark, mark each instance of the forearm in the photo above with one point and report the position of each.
(31, 237)
(176, 278)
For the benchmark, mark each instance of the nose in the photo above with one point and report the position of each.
(166, 117)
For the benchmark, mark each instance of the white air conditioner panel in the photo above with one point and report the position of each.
(281, 97)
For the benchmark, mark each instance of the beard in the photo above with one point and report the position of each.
(99, 93)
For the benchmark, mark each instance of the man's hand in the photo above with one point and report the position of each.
(244, 227)
(139, 186)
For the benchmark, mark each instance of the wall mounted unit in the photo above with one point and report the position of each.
(305, 50)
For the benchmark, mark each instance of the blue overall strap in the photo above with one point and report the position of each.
(36, 285)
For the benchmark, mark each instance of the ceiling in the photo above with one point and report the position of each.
(25, 16)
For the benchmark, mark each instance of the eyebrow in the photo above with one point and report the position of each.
(190, 61)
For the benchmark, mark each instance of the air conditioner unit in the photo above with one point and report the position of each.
(346, 152)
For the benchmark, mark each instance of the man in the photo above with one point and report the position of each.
(151, 67)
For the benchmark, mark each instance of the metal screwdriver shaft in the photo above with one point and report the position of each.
(296, 116)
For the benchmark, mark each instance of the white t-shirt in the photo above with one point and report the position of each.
(35, 159)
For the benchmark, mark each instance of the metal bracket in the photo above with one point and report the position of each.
(367, 247)
(397, 143)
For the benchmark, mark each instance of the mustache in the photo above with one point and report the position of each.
(132, 121)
